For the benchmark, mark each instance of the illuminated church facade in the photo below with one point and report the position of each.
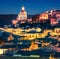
(22, 15)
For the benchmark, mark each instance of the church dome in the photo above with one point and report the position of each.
(23, 14)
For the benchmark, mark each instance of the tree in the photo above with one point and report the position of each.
(2, 41)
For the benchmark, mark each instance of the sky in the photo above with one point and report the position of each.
(31, 6)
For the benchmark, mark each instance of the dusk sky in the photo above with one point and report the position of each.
(31, 6)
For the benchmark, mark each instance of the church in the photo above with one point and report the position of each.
(23, 14)
(22, 17)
